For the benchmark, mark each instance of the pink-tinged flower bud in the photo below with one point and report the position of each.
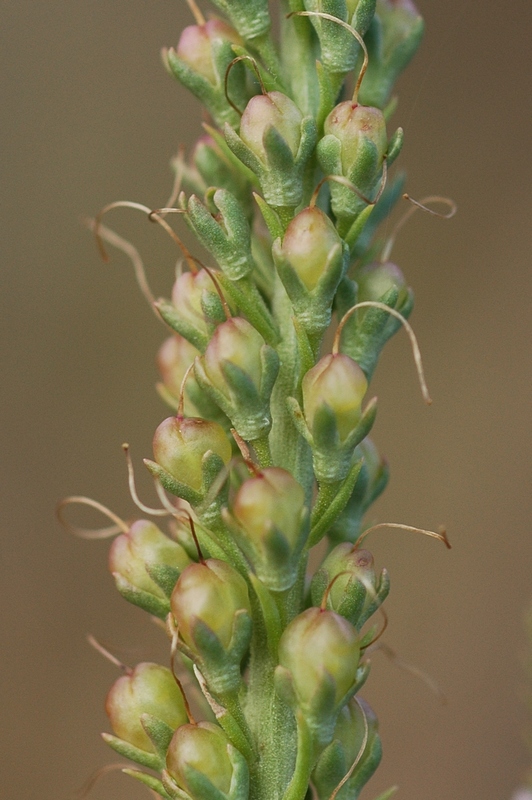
(144, 544)
(351, 123)
(149, 689)
(212, 593)
(180, 443)
(202, 748)
(271, 110)
(316, 648)
(307, 245)
(237, 342)
(335, 384)
(193, 294)
(353, 588)
(272, 499)
(195, 46)
(173, 359)
(375, 280)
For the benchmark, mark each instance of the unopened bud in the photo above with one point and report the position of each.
(195, 46)
(175, 356)
(354, 125)
(270, 511)
(144, 545)
(336, 385)
(238, 371)
(356, 739)
(211, 607)
(197, 302)
(149, 689)
(199, 757)
(375, 280)
(272, 110)
(180, 445)
(307, 245)
(353, 589)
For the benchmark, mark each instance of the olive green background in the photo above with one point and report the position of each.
(89, 116)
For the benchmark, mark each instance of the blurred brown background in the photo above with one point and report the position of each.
(89, 116)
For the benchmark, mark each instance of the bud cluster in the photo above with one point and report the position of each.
(267, 449)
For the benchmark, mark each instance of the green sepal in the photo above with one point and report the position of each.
(228, 240)
(148, 602)
(268, 79)
(354, 596)
(159, 732)
(383, 590)
(172, 485)
(251, 18)
(298, 418)
(172, 788)
(172, 318)
(339, 49)
(164, 575)
(388, 794)
(220, 666)
(247, 174)
(148, 780)
(273, 223)
(321, 524)
(357, 226)
(395, 146)
(363, 16)
(327, 96)
(150, 760)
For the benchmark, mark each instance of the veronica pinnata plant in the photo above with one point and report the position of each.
(267, 451)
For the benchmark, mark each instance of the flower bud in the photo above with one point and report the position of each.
(355, 125)
(375, 280)
(212, 593)
(175, 356)
(142, 546)
(356, 723)
(237, 342)
(203, 751)
(338, 385)
(197, 303)
(149, 689)
(181, 443)
(307, 245)
(353, 589)
(400, 32)
(270, 511)
(195, 46)
(272, 110)
(238, 371)
(319, 646)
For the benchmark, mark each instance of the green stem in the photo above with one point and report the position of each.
(298, 786)
(261, 447)
(268, 53)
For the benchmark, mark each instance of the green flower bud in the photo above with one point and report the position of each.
(319, 654)
(339, 756)
(270, 512)
(339, 49)
(200, 760)
(144, 546)
(197, 302)
(392, 41)
(307, 245)
(218, 167)
(275, 142)
(210, 603)
(149, 689)
(272, 110)
(200, 63)
(375, 280)
(355, 592)
(180, 445)
(354, 126)
(195, 46)
(238, 371)
(335, 386)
